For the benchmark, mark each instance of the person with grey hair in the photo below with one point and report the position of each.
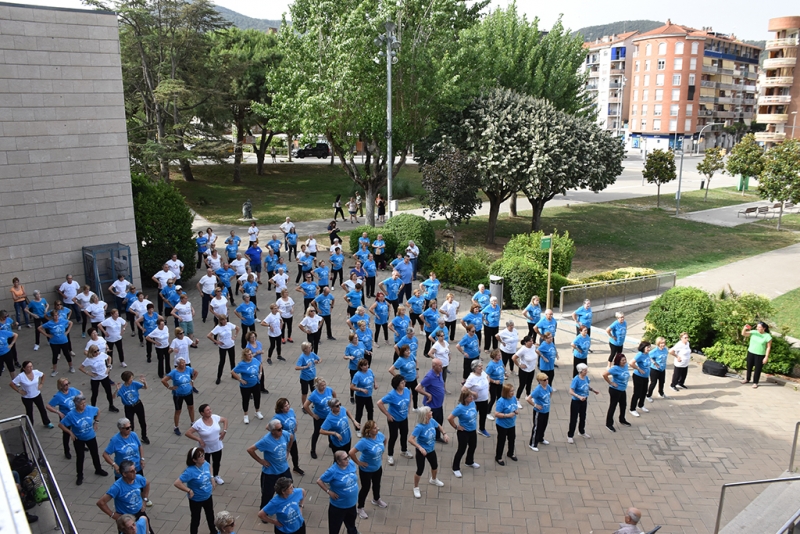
(337, 427)
(583, 317)
(275, 446)
(509, 343)
(491, 321)
(81, 424)
(478, 383)
(128, 524)
(287, 507)
(423, 438)
(579, 389)
(631, 524)
(125, 445)
(225, 522)
(129, 493)
(342, 489)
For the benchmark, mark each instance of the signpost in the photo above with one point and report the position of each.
(547, 244)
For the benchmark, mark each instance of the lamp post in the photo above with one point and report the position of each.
(704, 129)
(680, 176)
(794, 122)
(390, 41)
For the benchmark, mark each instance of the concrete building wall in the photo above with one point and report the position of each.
(64, 170)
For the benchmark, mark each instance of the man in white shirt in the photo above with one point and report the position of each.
(206, 287)
(175, 266)
(412, 251)
(68, 290)
(286, 227)
(630, 526)
(161, 278)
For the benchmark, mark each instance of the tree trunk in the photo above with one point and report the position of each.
(780, 216)
(238, 145)
(708, 186)
(332, 156)
(161, 140)
(371, 193)
(658, 196)
(494, 211)
(512, 206)
(289, 145)
(536, 219)
(261, 149)
(186, 170)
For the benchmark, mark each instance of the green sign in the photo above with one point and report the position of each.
(546, 243)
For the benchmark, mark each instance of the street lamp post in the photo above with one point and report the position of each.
(697, 151)
(680, 176)
(794, 122)
(389, 39)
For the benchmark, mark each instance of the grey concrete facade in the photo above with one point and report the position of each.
(64, 170)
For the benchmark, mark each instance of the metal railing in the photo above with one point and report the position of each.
(616, 292)
(794, 447)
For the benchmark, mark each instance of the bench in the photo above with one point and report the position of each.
(747, 212)
(763, 210)
(788, 206)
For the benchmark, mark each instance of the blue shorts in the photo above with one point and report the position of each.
(256, 267)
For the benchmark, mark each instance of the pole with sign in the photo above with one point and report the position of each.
(547, 244)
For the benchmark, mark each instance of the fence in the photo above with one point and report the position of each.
(616, 293)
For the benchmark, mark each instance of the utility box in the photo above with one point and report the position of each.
(496, 288)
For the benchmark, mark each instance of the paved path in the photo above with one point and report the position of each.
(727, 215)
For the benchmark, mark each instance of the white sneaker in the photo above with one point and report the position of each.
(407, 454)
(436, 482)
(634, 413)
(649, 399)
(457, 474)
(519, 406)
(124, 364)
(54, 373)
(490, 417)
(358, 434)
(219, 480)
(259, 415)
(534, 449)
(474, 465)
(390, 460)
(36, 347)
(645, 410)
(417, 494)
(554, 390)
(246, 420)
(148, 503)
(362, 513)
(570, 440)
(71, 369)
(545, 442)
(586, 436)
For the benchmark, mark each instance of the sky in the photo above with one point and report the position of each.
(744, 18)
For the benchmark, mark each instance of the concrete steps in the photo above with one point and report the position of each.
(769, 511)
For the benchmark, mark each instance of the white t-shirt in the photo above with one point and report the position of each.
(96, 311)
(83, 299)
(208, 283)
(243, 278)
(113, 328)
(528, 357)
(253, 233)
(240, 266)
(509, 340)
(120, 287)
(350, 285)
(442, 352)
(175, 267)
(161, 337)
(280, 282)
(334, 247)
(450, 309)
(287, 226)
(180, 348)
(219, 305)
(97, 365)
(224, 335)
(184, 311)
(100, 343)
(212, 238)
(209, 434)
(162, 278)
(311, 245)
(215, 262)
(286, 307)
(273, 321)
(69, 290)
(684, 352)
(412, 251)
(312, 324)
(139, 308)
(478, 385)
(30, 387)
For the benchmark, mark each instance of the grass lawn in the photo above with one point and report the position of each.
(789, 222)
(300, 191)
(693, 200)
(609, 236)
(787, 311)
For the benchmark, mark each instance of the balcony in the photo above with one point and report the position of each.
(710, 69)
(710, 99)
(614, 85)
(751, 75)
(768, 100)
(591, 87)
(780, 62)
(770, 137)
(706, 83)
(776, 44)
(749, 88)
(614, 100)
(777, 81)
(726, 114)
(617, 72)
(772, 118)
(749, 102)
(594, 73)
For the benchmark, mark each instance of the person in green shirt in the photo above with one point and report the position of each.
(757, 351)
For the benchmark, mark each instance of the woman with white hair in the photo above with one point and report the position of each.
(478, 383)
(423, 439)
(509, 342)
(616, 336)
(449, 309)
(491, 318)
(579, 389)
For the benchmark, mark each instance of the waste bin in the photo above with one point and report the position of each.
(702, 184)
(744, 183)
(496, 288)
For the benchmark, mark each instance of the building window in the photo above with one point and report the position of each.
(633, 109)
(687, 125)
(679, 47)
(662, 49)
(646, 80)
(691, 79)
(645, 95)
(657, 110)
(636, 81)
(676, 94)
(644, 124)
(673, 110)
(644, 110)
(676, 79)
(659, 79)
(693, 63)
(656, 125)
(689, 110)
(673, 125)
(678, 64)
(646, 65)
(635, 96)
(662, 64)
(659, 95)
(648, 49)
(694, 47)
(636, 66)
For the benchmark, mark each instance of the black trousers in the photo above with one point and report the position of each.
(615, 349)
(287, 328)
(337, 273)
(198, 507)
(656, 376)
(245, 329)
(577, 416)
(618, 398)
(137, 410)
(37, 400)
(214, 459)
(118, 345)
(639, 391)
(551, 375)
(438, 416)
(369, 480)
(679, 376)
(80, 454)
(268, 485)
(490, 331)
(162, 355)
(495, 390)
(395, 428)
(315, 436)
(274, 345)
(525, 382)
(467, 441)
(313, 338)
(503, 435)
(337, 516)
(451, 328)
(378, 328)
(59, 348)
(231, 352)
(370, 289)
(206, 302)
(754, 364)
(95, 385)
(466, 368)
(36, 324)
(255, 392)
(507, 360)
(327, 320)
(539, 426)
(363, 403)
(483, 411)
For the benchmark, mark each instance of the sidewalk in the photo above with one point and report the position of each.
(728, 216)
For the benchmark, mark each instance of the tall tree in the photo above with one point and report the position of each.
(659, 168)
(746, 158)
(780, 179)
(713, 161)
(330, 81)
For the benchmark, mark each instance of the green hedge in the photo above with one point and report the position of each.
(732, 311)
(782, 358)
(407, 227)
(618, 274)
(681, 309)
(529, 245)
(372, 232)
(523, 278)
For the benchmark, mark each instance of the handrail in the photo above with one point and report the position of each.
(794, 447)
(790, 524)
(748, 483)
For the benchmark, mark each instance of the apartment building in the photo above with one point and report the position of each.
(609, 71)
(779, 98)
(687, 84)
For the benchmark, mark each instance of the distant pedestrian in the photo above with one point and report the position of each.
(274, 154)
(337, 208)
(758, 350)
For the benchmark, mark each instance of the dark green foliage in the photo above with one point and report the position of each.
(522, 278)
(407, 227)
(681, 309)
(372, 232)
(591, 33)
(556, 283)
(442, 263)
(782, 357)
(730, 354)
(659, 168)
(163, 226)
(244, 22)
(471, 270)
(732, 311)
(529, 245)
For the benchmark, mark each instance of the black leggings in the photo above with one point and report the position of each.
(336, 273)
(467, 441)
(162, 355)
(196, 508)
(483, 411)
(656, 377)
(37, 400)
(503, 435)
(255, 392)
(507, 360)
(754, 364)
(231, 352)
(378, 331)
(245, 329)
(214, 459)
(313, 338)
(371, 479)
(295, 455)
(95, 385)
(412, 386)
(361, 404)
(58, 348)
(8, 359)
(274, 345)
(80, 455)
(395, 428)
(491, 331)
(287, 328)
(337, 516)
(137, 410)
(315, 436)
(370, 286)
(525, 382)
(495, 390)
(639, 391)
(327, 320)
(679, 376)
(466, 368)
(432, 460)
(540, 420)
(118, 344)
(577, 416)
(617, 398)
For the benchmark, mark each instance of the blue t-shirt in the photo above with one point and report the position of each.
(407, 368)
(397, 404)
(365, 380)
(580, 386)
(492, 315)
(548, 350)
(381, 312)
(371, 452)
(275, 245)
(355, 353)
(342, 482)
(584, 316)
(426, 434)
(58, 331)
(506, 406)
(127, 497)
(392, 286)
(183, 381)
(81, 424)
(323, 274)
(482, 297)
(248, 371)
(340, 425)
(248, 313)
(438, 329)
(431, 288)
(274, 450)
(379, 245)
(363, 241)
(411, 343)
(129, 395)
(659, 358)
(310, 360)
(405, 270)
(618, 330)
(361, 255)
(643, 363)
(233, 240)
(271, 261)
(63, 401)
(370, 268)
(37, 308)
(130, 298)
(125, 449)
(545, 325)
(287, 511)
(434, 385)
(470, 345)
(319, 402)
(4, 337)
(467, 416)
(496, 370)
(534, 313)
(251, 288)
(231, 250)
(365, 337)
(291, 238)
(400, 324)
(198, 479)
(254, 254)
(324, 304)
(149, 322)
(582, 343)
(288, 420)
(201, 241)
(306, 262)
(355, 298)
(225, 276)
(541, 396)
(474, 319)
(620, 376)
(431, 318)
(337, 260)
(416, 304)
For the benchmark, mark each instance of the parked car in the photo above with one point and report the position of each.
(320, 150)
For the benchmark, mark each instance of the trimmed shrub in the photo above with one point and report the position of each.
(470, 270)
(618, 274)
(729, 354)
(523, 278)
(443, 264)
(732, 311)
(528, 245)
(782, 357)
(407, 227)
(681, 309)
(163, 226)
(372, 232)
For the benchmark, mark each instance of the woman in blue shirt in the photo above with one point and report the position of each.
(197, 483)
(416, 302)
(370, 470)
(548, 357)
(307, 365)
(658, 368)
(491, 318)
(37, 308)
(579, 389)
(616, 336)
(641, 375)
(496, 372)
(406, 367)
(128, 393)
(394, 406)
(362, 384)
(475, 318)
(400, 323)
(56, 330)
(285, 414)
(532, 314)
(316, 405)
(353, 299)
(342, 490)
(431, 317)
(540, 400)
(371, 270)
(380, 309)
(291, 241)
(246, 373)
(353, 353)
(466, 430)
(182, 378)
(423, 438)
(337, 427)
(61, 404)
(505, 413)
(470, 348)
(617, 377)
(81, 424)
(580, 349)
(287, 507)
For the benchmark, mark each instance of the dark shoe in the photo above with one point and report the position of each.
(624, 423)
(68, 455)
(146, 440)
(177, 431)
(79, 481)
(218, 381)
(31, 518)
(682, 386)
(673, 388)
(281, 359)
(499, 462)
(269, 361)
(149, 360)
(331, 338)
(611, 428)
(352, 400)
(314, 454)
(195, 390)
(265, 391)
(17, 365)
(101, 473)
(113, 409)
(512, 457)
(299, 471)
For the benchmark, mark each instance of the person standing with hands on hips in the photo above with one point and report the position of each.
(616, 336)
(758, 350)
(682, 353)
(342, 489)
